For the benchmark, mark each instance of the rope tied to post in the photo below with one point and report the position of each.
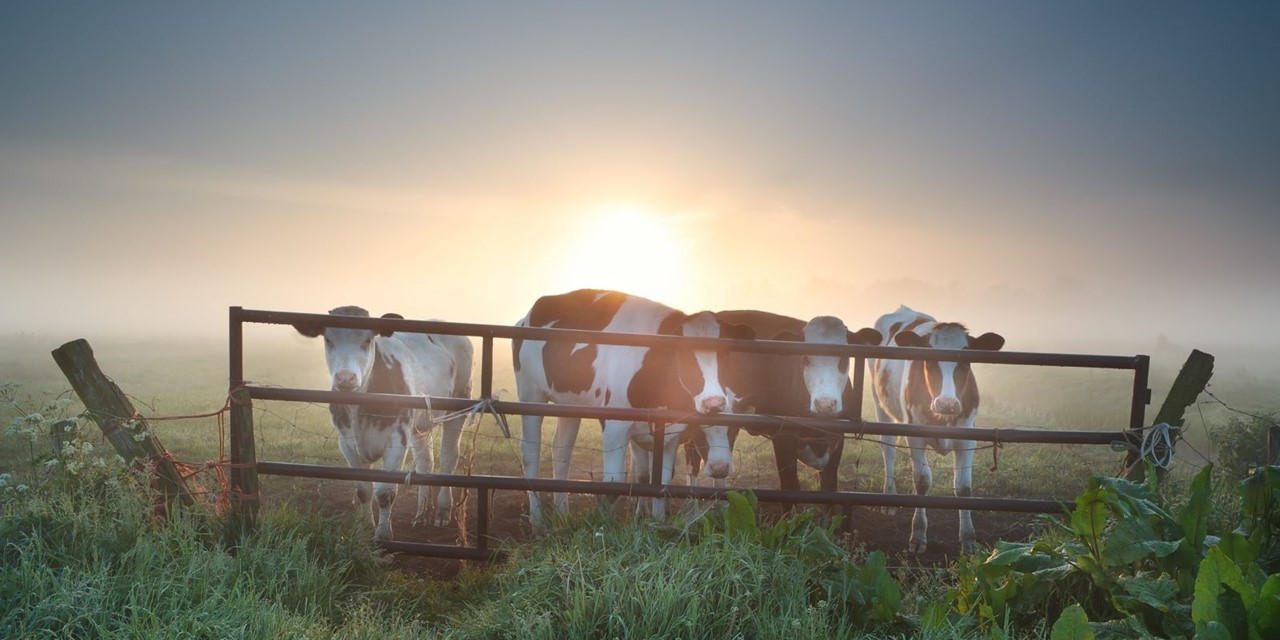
(1157, 445)
(472, 414)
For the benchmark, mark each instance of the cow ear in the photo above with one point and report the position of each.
(309, 330)
(789, 336)
(386, 333)
(864, 336)
(910, 339)
(737, 331)
(987, 342)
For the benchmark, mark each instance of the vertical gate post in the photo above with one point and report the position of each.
(1138, 418)
(486, 367)
(659, 444)
(244, 460)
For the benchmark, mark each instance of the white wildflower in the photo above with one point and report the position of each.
(86, 447)
(50, 463)
(74, 466)
(4, 479)
(22, 488)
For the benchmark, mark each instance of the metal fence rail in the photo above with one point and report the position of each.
(244, 483)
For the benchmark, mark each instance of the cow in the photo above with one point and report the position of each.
(929, 393)
(566, 372)
(417, 364)
(793, 386)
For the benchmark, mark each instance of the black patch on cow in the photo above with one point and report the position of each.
(893, 329)
(515, 353)
(386, 376)
(386, 498)
(341, 415)
(569, 366)
(663, 379)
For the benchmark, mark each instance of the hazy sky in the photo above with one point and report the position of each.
(1053, 171)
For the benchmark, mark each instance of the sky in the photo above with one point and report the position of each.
(1062, 173)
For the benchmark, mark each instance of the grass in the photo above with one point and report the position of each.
(80, 567)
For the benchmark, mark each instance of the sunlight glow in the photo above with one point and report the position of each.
(629, 248)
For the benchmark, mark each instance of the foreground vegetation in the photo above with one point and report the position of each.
(83, 555)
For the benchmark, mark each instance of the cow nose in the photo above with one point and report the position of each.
(825, 406)
(718, 470)
(344, 380)
(946, 406)
(713, 404)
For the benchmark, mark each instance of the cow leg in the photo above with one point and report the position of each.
(889, 449)
(669, 446)
(562, 455)
(450, 437)
(420, 446)
(351, 452)
(923, 481)
(614, 440)
(385, 492)
(531, 451)
(830, 474)
(964, 487)
(786, 460)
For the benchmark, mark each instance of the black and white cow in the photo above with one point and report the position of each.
(929, 393)
(793, 386)
(403, 363)
(619, 376)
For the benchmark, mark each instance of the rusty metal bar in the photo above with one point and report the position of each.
(650, 340)
(486, 367)
(512, 483)
(848, 427)
(659, 445)
(859, 380)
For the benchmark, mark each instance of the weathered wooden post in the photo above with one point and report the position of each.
(1191, 381)
(110, 409)
(244, 458)
(1273, 445)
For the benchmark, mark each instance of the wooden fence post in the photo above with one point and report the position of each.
(1191, 381)
(110, 409)
(1273, 445)
(244, 460)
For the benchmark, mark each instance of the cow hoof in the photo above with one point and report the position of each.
(442, 518)
(969, 547)
(917, 546)
(382, 534)
(889, 511)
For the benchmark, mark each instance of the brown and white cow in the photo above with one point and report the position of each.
(784, 385)
(619, 376)
(929, 393)
(403, 363)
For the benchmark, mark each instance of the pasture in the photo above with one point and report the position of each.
(178, 378)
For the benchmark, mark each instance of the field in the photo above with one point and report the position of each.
(183, 378)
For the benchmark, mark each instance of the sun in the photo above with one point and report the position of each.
(632, 249)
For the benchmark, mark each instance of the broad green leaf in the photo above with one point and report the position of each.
(1218, 574)
(1237, 547)
(1089, 518)
(740, 518)
(1194, 517)
(1073, 624)
(1213, 630)
(1266, 611)
(1156, 593)
(1133, 539)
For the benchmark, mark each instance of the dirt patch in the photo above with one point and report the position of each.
(508, 524)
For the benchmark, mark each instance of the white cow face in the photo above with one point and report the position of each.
(348, 352)
(700, 375)
(947, 381)
(700, 371)
(827, 377)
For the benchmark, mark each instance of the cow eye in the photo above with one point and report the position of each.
(365, 345)
(328, 343)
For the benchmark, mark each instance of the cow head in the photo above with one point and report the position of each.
(699, 373)
(348, 352)
(826, 377)
(947, 381)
